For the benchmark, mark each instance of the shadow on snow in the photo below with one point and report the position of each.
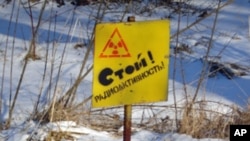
(23, 32)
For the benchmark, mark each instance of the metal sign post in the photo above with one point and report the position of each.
(127, 109)
(127, 123)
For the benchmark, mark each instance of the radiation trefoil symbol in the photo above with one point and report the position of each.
(115, 46)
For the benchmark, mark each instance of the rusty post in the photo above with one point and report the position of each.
(127, 109)
(127, 122)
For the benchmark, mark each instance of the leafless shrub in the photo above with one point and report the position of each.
(63, 106)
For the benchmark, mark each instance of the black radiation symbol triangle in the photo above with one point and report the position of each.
(115, 46)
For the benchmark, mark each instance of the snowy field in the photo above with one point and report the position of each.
(63, 40)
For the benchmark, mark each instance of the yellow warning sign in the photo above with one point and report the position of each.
(131, 63)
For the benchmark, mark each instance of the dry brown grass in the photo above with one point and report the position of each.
(199, 122)
(242, 116)
(202, 123)
(58, 136)
(60, 111)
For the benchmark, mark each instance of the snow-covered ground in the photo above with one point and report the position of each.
(62, 28)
